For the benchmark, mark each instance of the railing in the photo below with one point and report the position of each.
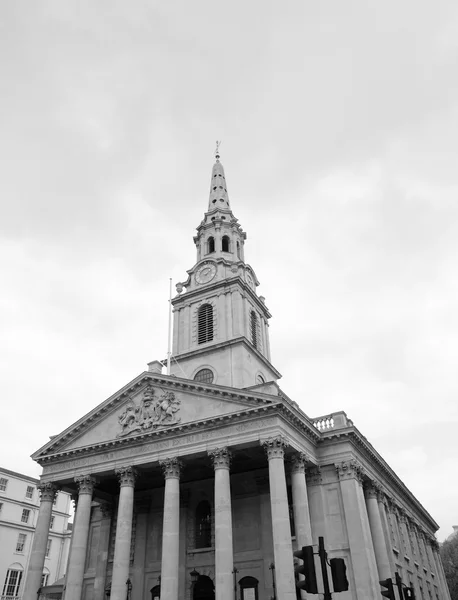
(10, 597)
(333, 421)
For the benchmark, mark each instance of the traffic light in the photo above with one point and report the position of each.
(339, 574)
(309, 584)
(389, 592)
(409, 593)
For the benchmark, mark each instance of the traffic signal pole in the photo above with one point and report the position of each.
(323, 556)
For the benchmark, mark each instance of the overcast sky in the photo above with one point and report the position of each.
(339, 129)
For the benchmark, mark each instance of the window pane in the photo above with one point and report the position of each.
(29, 492)
(204, 375)
(25, 515)
(3, 484)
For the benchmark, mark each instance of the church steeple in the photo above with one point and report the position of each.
(220, 326)
(219, 197)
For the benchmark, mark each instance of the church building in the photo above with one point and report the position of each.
(201, 484)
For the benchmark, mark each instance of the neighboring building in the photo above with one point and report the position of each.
(19, 505)
(209, 477)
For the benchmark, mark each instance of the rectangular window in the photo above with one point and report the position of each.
(44, 579)
(25, 515)
(21, 542)
(1, 506)
(29, 492)
(12, 583)
(3, 484)
(48, 548)
(55, 500)
(51, 523)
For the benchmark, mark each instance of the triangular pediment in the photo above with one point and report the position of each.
(148, 405)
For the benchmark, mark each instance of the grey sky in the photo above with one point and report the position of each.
(339, 123)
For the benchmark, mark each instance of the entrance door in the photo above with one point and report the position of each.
(204, 589)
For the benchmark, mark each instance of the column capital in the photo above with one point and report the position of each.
(275, 447)
(127, 476)
(220, 457)
(402, 516)
(313, 475)
(350, 469)
(372, 489)
(48, 491)
(171, 467)
(298, 462)
(85, 484)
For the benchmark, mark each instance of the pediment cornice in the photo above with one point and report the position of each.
(247, 400)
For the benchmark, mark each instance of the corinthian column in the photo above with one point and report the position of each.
(224, 559)
(378, 538)
(77, 557)
(48, 492)
(170, 529)
(123, 539)
(300, 501)
(281, 530)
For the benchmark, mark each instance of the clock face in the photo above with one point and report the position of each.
(249, 280)
(205, 273)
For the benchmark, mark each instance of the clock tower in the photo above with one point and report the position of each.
(220, 327)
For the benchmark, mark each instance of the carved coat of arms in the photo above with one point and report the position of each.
(152, 412)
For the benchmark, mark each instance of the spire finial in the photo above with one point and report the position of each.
(217, 150)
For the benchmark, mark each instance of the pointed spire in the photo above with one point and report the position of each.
(219, 197)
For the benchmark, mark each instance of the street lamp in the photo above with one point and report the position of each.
(272, 568)
(234, 572)
(129, 589)
(194, 575)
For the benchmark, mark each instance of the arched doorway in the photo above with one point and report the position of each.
(203, 589)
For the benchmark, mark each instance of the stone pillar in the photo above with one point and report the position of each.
(123, 539)
(300, 501)
(405, 534)
(48, 492)
(426, 545)
(359, 534)
(224, 557)
(77, 557)
(102, 555)
(375, 524)
(382, 507)
(171, 529)
(281, 530)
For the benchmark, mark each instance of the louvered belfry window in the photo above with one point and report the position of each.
(254, 328)
(205, 324)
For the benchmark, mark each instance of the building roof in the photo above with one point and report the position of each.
(19, 475)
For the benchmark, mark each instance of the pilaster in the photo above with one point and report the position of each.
(350, 474)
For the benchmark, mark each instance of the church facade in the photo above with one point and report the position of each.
(200, 484)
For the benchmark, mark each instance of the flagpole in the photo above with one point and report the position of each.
(169, 349)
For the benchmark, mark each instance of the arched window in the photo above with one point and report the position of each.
(203, 589)
(204, 376)
(13, 580)
(238, 249)
(249, 588)
(205, 324)
(254, 328)
(203, 525)
(156, 592)
(225, 244)
(260, 379)
(210, 245)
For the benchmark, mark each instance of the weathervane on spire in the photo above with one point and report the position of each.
(217, 150)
